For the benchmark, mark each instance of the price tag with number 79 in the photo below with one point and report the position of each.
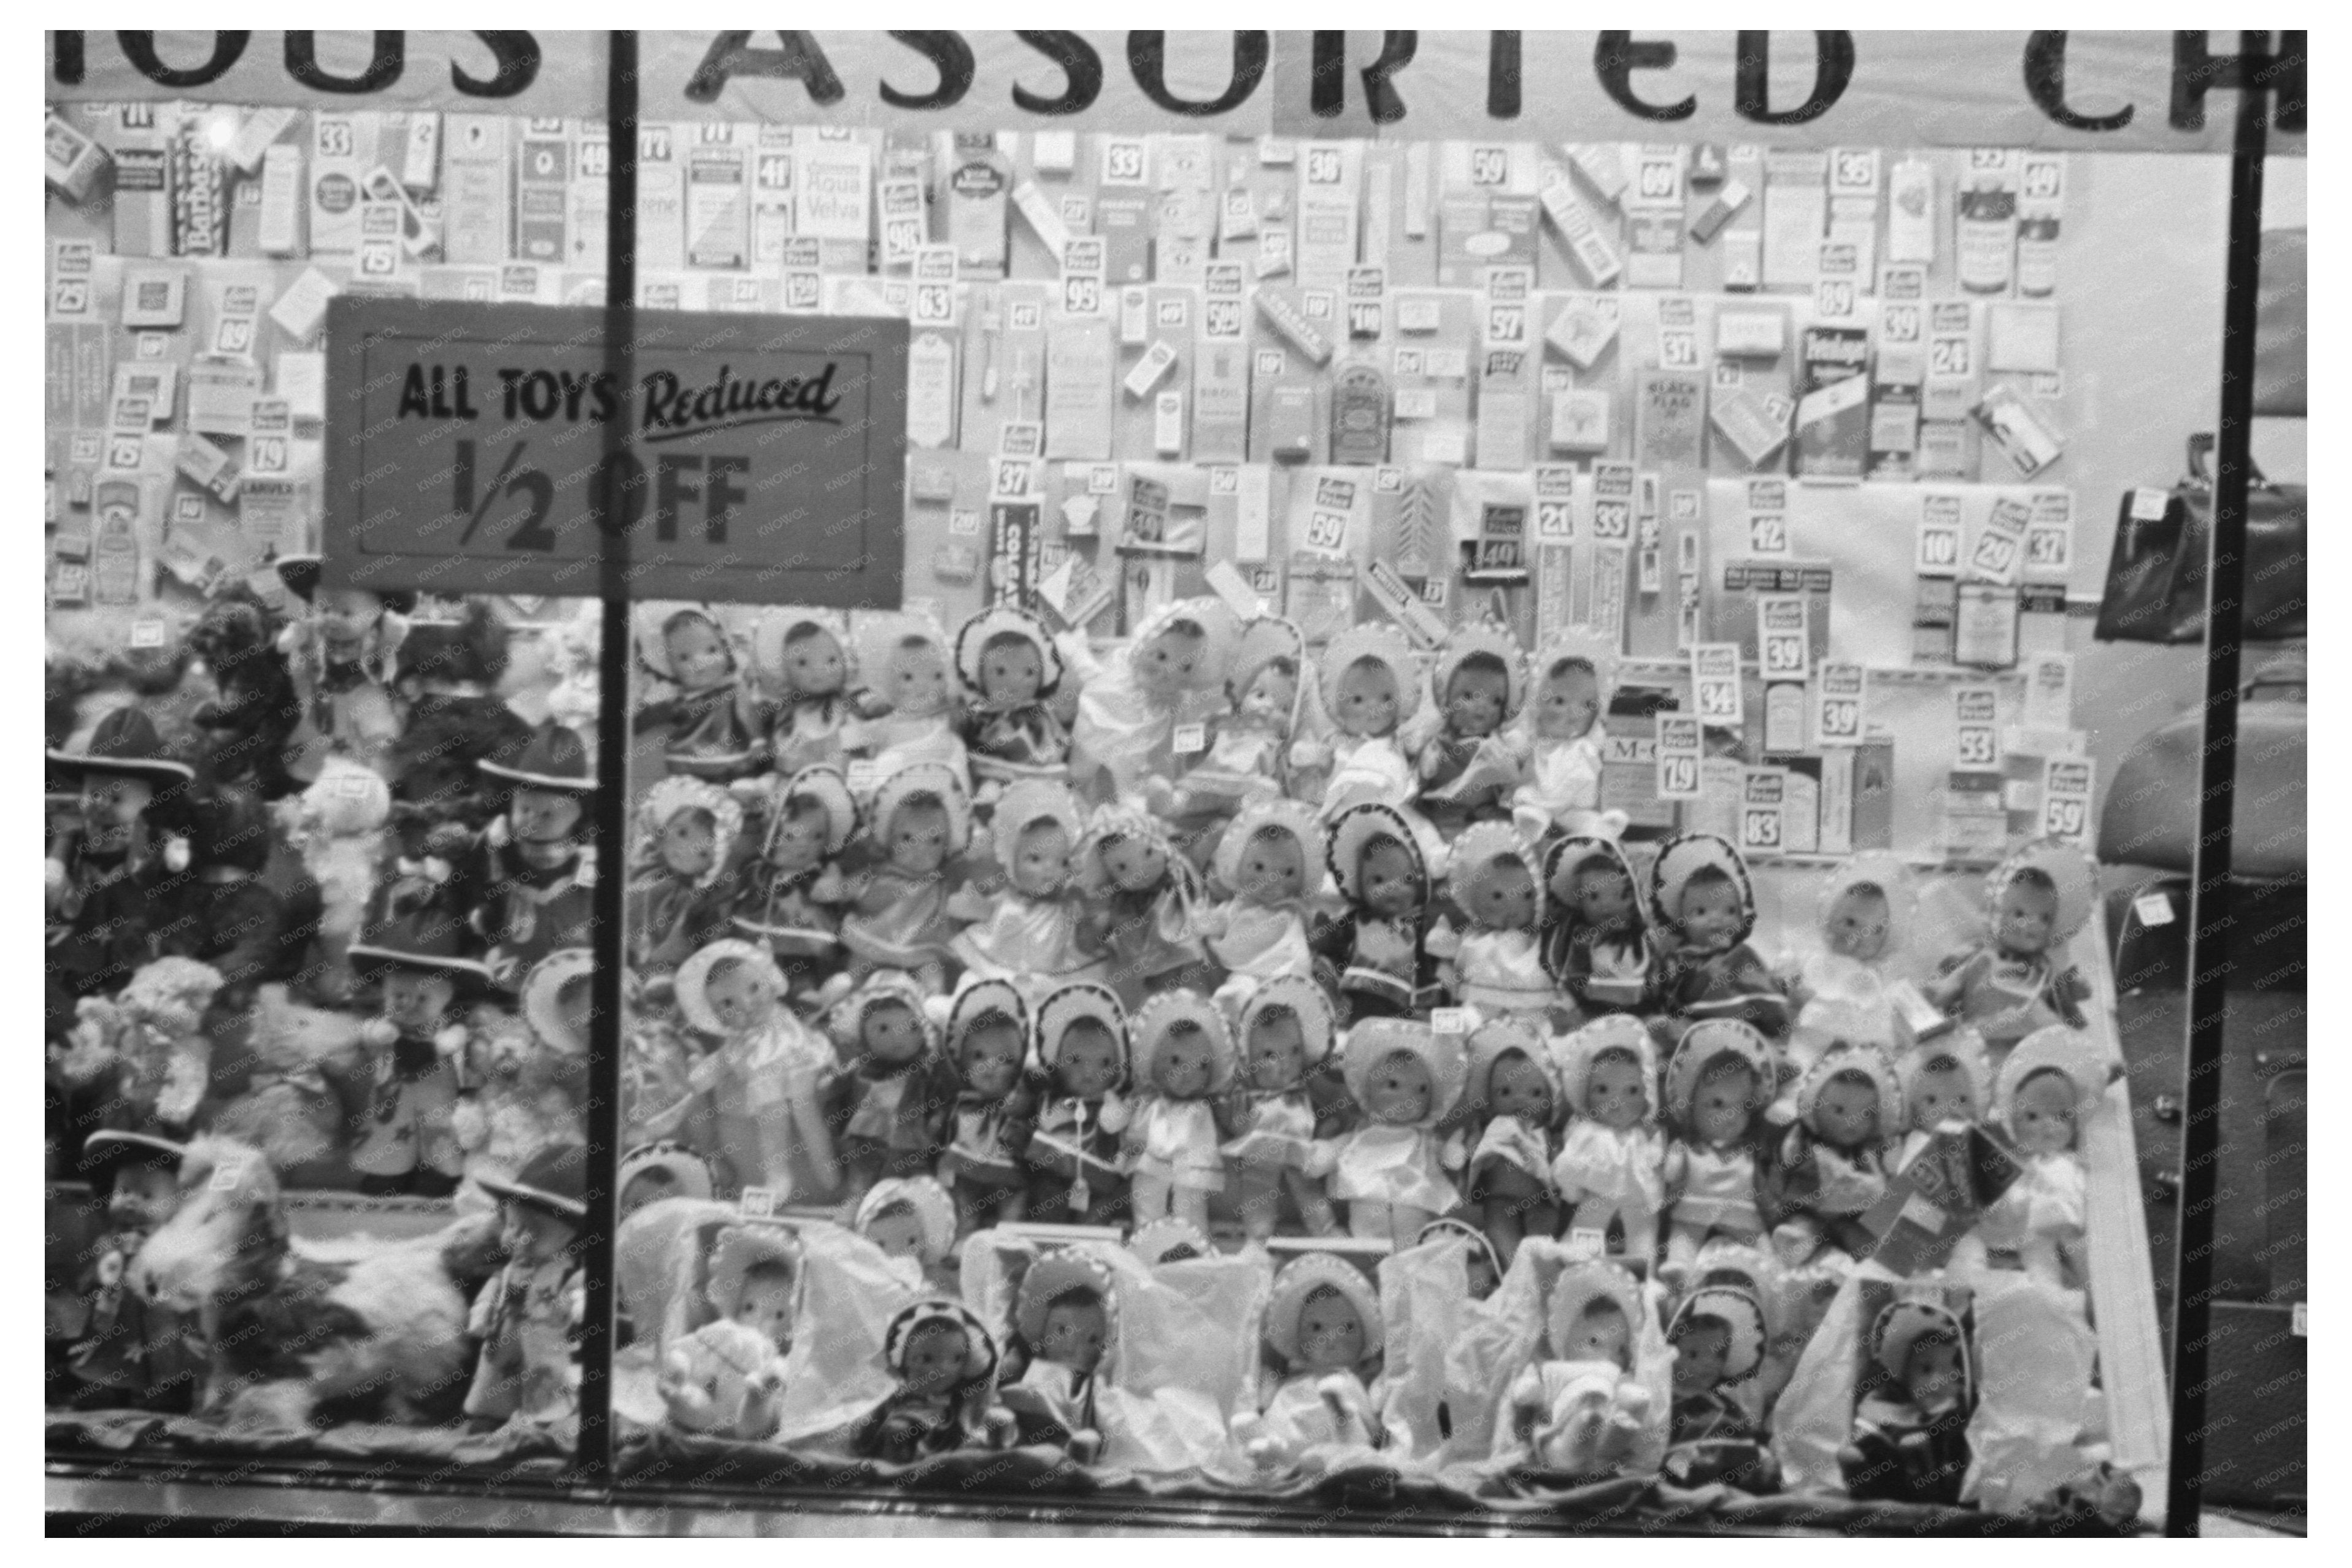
(1679, 747)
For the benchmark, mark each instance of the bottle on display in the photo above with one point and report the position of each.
(2037, 254)
(114, 554)
(1987, 236)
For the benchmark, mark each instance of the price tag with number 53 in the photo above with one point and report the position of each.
(1978, 735)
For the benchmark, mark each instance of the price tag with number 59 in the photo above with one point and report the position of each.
(2066, 797)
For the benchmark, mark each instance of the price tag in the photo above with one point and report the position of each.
(1326, 531)
(1834, 299)
(2049, 691)
(1082, 294)
(1124, 161)
(1585, 1245)
(1768, 533)
(1490, 165)
(2299, 1320)
(147, 633)
(1838, 705)
(1449, 1021)
(1678, 348)
(1555, 521)
(964, 521)
(1939, 536)
(1009, 478)
(757, 1203)
(1507, 325)
(2000, 547)
(2066, 797)
(1898, 322)
(2153, 908)
(1781, 646)
(228, 1177)
(865, 774)
(2148, 503)
(1978, 736)
(1763, 793)
(1189, 739)
(1715, 684)
(1679, 747)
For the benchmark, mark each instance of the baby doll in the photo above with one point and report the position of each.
(1073, 1157)
(886, 1033)
(1146, 902)
(912, 1221)
(100, 876)
(1468, 769)
(945, 1363)
(1611, 1163)
(1183, 1061)
(914, 676)
(921, 817)
(1482, 1266)
(1866, 912)
(1495, 965)
(1717, 1334)
(1515, 1104)
(1582, 1412)
(1375, 959)
(1830, 1165)
(1718, 1081)
(2018, 980)
(1324, 1335)
(1066, 1315)
(342, 654)
(528, 883)
(1910, 1441)
(2052, 1080)
(1944, 1080)
(1169, 673)
(1248, 747)
(1030, 927)
(1391, 1171)
(679, 889)
(1271, 860)
(803, 654)
(1371, 684)
(656, 1172)
(406, 1142)
(791, 893)
(1705, 910)
(726, 1376)
(1575, 670)
(986, 1110)
(1011, 672)
(766, 1082)
(1286, 1033)
(713, 723)
(528, 1317)
(526, 1077)
(1596, 943)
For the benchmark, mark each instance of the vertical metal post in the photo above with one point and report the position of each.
(2208, 949)
(594, 1463)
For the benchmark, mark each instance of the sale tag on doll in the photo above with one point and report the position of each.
(865, 774)
(1449, 1021)
(1838, 705)
(1586, 1246)
(757, 1203)
(1680, 744)
(227, 1177)
(1189, 739)
(1978, 738)
(1715, 684)
(2066, 797)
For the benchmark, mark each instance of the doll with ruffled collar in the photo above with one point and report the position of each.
(1075, 1172)
(1494, 963)
(1270, 862)
(710, 716)
(1029, 926)
(886, 1033)
(406, 1141)
(1611, 1162)
(790, 893)
(1469, 768)
(2016, 980)
(767, 1080)
(1597, 945)
(525, 1077)
(727, 1376)
(1183, 1062)
(529, 881)
(1910, 1438)
(945, 1363)
(1285, 1031)
(1173, 672)
(1323, 1343)
(1371, 684)
(1144, 902)
(342, 652)
(1719, 1337)
(1583, 1410)
(1832, 1164)
(1066, 1315)
(1574, 673)
(1864, 917)
(920, 821)
(914, 673)
(1516, 1107)
(986, 1106)
(1945, 1081)
(1704, 907)
(1718, 1081)
(1248, 744)
(1374, 958)
(803, 656)
(1395, 1170)
(911, 1221)
(1011, 673)
(679, 890)
(2047, 1086)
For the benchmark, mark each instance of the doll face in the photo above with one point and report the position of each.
(698, 655)
(919, 839)
(1391, 880)
(1272, 868)
(1613, 1092)
(1278, 1051)
(1184, 1065)
(346, 613)
(2042, 1114)
(990, 1056)
(1605, 896)
(1942, 1091)
(1600, 1333)
(896, 1231)
(1074, 1336)
(2023, 921)
(415, 1000)
(1710, 916)
(532, 1235)
(1567, 703)
(740, 996)
(144, 1197)
(1040, 859)
(918, 681)
(1330, 1332)
(891, 1033)
(1517, 1088)
(1133, 864)
(1846, 1113)
(112, 805)
(1700, 1355)
(1087, 1064)
(1719, 1105)
(1011, 673)
(1167, 662)
(1368, 699)
(816, 665)
(1857, 923)
(644, 1188)
(1399, 1090)
(543, 816)
(934, 1358)
(799, 840)
(1931, 1372)
(689, 844)
(767, 1305)
(1483, 1282)
(1271, 697)
(1475, 700)
(1503, 898)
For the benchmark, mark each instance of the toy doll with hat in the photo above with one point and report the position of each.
(2016, 980)
(1066, 1314)
(527, 882)
(1029, 927)
(1706, 910)
(407, 1138)
(1173, 672)
(766, 1082)
(1248, 746)
(1374, 958)
(1718, 1081)
(920, 821)
(914, 673)
(912, 1221)
(789, 895)
(1584, 1410)
(525, 1078)
(1719, 1336)
(1082, 1110)
(1324, 1338)
(1471, 768)
(1575, 674)
(1910, 1437)
(1011, 673)
(944, 1361)
(656, 1172)
(1270, 861)
(708, 713)
(2048, 1085)
(1611, 1162)
(806, 659)
(1493, 962)
(1145, 902)
(1395, 1171)
(1597, 944)
(1831, 1165)
(102, 878)
(128, 1350)
(224, 911)
(248, 727)
(1183, 1064)
(1513, 1096)
(986, 1107)
(1864, 914)
(1370, 683)
(728, 1376)
(888, 1033)
(679, 885)
(448, 681)
(1285, 1031)
(342, 652)
(528, 1317)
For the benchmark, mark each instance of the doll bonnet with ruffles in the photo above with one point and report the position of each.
(1302, 1277)
(1370, 1041)
(1680, 859)
(1576, 1054)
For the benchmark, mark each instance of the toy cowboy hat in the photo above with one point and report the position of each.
(1680, 859)
(1866, 1059)
(1054, 1276)
(556, 759)
(123, 742)
(1739, 1311)
(1220, 636)
(2057, 1048)
(1029, 802)
(2070, 871)
(1490, 1042)
(1890, 877)
(923, 1197)
(1576, 1053)
(554, 1181)
(1581, 1284)
(977, 631)
(1169, 1241)
(299, 573)
(1450, 1228)
(1370, 1042)
(936, 778)
(679, 793)
(743, 1247)
(846, 1021)
(771, 633)
(1307, 1004)
(1466, 641)
(1706, 1042)
(1382, 642)
(980, 1351)
(1282, 814)
(542, 995)
(1301, 1278)
(1902, 1324)
(1066, 1005)
(693, 981)
(689, 1172)
(1161, 1013)
(1359, 824)
(422, 939)
(1477, 852)
(105, 1153)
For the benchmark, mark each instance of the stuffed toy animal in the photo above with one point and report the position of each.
(149, 1036)
(288, 1109)
(337, 827)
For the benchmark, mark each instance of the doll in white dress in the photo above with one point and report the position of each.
(1173, 672)
(1371, 684)
(1515, 1102)
(1028, 929)
(1611, 1163)
(1582, 1411)
(915, 674)
(1718, 1084)
(1865, 912)
(1270, 862)
(1183, 1062)
(1496, 965)
(1323, 1338)
(1575, 673)
(1285, 1032)
(1395, 1171)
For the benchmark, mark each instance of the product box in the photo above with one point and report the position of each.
(1835, 821)
(477, 213)
(1935, 611)
(1080, 360)
(717, 205)
(832, 196)
(1629, 771)
(1669, 415)
(1125, 224)
(71, 161)
(1832, 439)
(1874, 795)
(979, 200)
(1985, 625)
(1975, 823)
(543, 194)
(771, 196)
(1746, 578)
(277, 224)
(199, 197)
(586, 200)
(142, 196)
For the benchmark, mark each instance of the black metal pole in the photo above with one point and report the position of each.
(2209, 946)
(594, 1462)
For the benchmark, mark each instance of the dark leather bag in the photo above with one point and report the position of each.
(2150, 817)
(2156, 577)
